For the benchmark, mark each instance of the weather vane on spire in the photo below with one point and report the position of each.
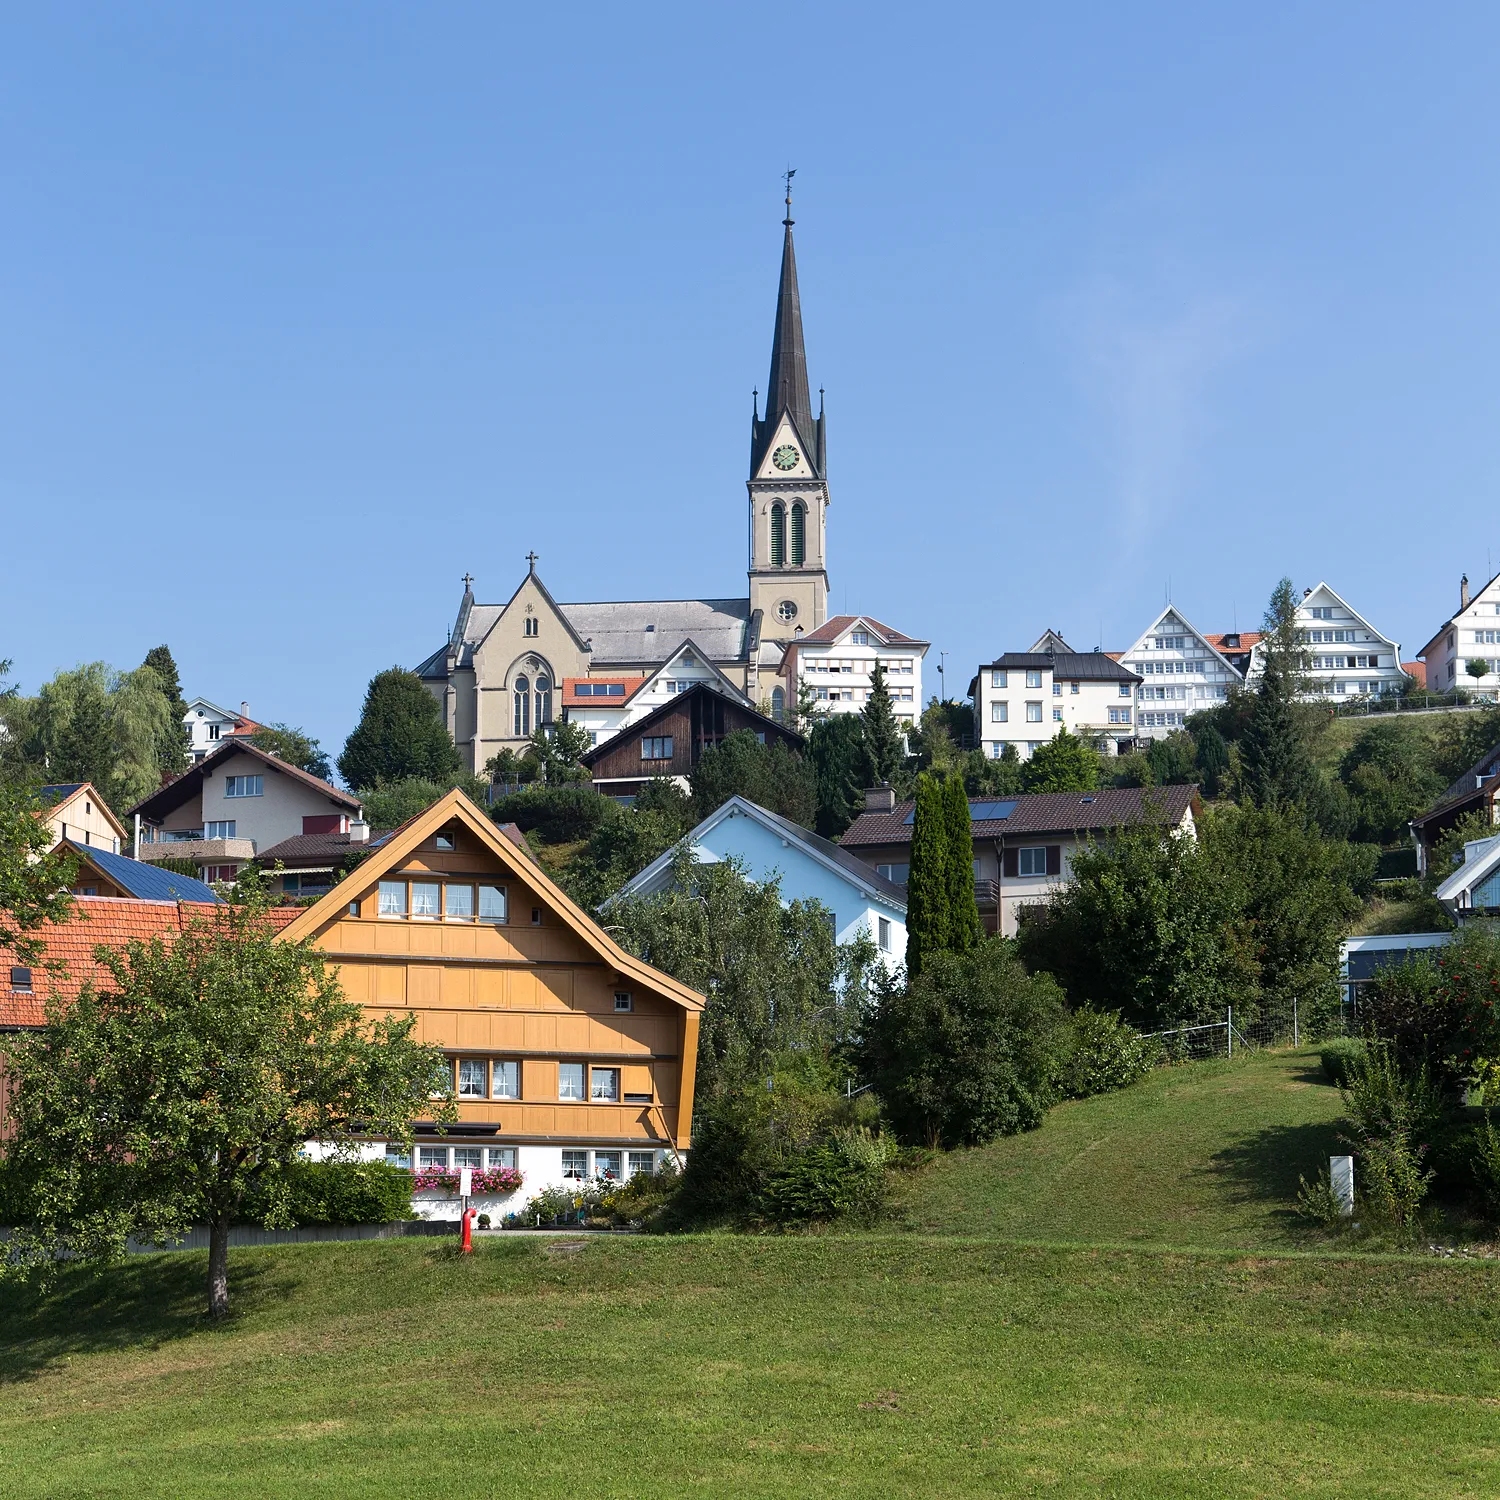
(787, 176)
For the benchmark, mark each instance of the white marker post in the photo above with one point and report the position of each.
(1341, 1176)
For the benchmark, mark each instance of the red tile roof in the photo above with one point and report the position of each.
(1247, 639)
(570, 698)
(107, 921)
(1416, 670)
(825, 634)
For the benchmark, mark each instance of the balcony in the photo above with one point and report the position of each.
(201, 850)
(987, 894)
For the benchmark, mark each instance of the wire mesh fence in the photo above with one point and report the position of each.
(1203, 1039)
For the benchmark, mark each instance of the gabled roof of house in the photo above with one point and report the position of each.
(1219, 641)
(1474, 871)
(455, 807)
(1213, 642)
(1477, 782)
(184, 787)
(1037, 813)
(1327, 588)
(98, 921)
(571, 698)
(143, 881)
(1084, 666)
(647, 631)
(315, 848)
(816, 848)
(833, 628)
(1417, 671)
(58, 796)
(1442, 630)
(646, 721)
(722, 683)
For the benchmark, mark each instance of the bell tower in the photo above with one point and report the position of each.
(788, 481)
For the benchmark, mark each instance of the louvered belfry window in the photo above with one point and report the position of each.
(778, 535)
(799, 535)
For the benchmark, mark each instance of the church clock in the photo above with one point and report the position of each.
(785, 457)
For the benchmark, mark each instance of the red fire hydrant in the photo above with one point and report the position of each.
(468, 1231)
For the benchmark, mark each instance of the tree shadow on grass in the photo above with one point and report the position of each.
(1264, 1168)
(142, 1303)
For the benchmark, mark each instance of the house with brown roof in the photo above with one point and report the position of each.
(837, 660)
(1473, 792)
(208, 726)
(1023, 845)
(235, 802)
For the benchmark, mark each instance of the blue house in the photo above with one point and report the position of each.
(810, 868)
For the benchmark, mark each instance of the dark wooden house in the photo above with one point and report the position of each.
(670, 740)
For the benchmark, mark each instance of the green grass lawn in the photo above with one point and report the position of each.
(875, 1365)
(1207, 1154)
(962, 1356)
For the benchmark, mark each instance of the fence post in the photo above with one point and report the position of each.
(1296, 1036)
(1229, 1029)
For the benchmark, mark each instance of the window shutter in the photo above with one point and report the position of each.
(1011, 868)
(1054, 859)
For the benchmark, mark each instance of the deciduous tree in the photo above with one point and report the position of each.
(1064, 763)
(400, 734)
(296, 747)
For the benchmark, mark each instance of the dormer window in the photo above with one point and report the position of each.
(20, 980)
(860, 638)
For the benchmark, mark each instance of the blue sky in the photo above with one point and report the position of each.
(308, 310)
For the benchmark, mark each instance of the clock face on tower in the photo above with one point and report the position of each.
(785, 457)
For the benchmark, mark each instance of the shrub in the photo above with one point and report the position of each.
(1337, 1056)
(344, 1192)
(1317, 1201)
(642, 1196)
(559, 814)
(1107, 1054)
(1396, 1112)
(841, 1178)
(1485, 1163)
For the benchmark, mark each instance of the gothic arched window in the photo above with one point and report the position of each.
(778, 535)
(523, 706)
(799, 534)
(778, 704)
(543, 701)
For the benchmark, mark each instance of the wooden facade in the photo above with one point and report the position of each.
(671, 740)
(556, 1035)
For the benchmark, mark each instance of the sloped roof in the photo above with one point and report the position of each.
(99, 921)
(1474, 871)
(817, 848)
(1475, 783)
(1085, 666)
(60, 791)
(310, 921)
(311, 848)
(833, 628)
(676, 701)
(181, 788)
(58, 796)
(1417, 671)
(571, 698)
(145, 882)
(619, 632)
(1039, 812)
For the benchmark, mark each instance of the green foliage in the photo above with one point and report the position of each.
(296, 747)
(928, 923)
(1389, 776)
(984, 777)
(1485, 1165)
(1477, 667)
(557, 814)
(842, 769)
(1277, 767)
(33, 883)
(1318, 1203)
(1212, 758)
(391, 803)
(964, 930)
(1337, 1055)
(775, 977)
(1133, 769)
(1106, 1054)
(969, 1050)
(1463, 740)
(773, 776)
(843, 1178)
(1448, 851)
(557, 750)
(173, 749)
(337, 1192)
(187, 1082)
(883, 737)
(1064, 763)
(1174, 760)
(400, 735)
(620, 848)
(188, 867)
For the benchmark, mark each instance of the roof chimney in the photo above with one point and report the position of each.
(1306, 592)
(1463, 592)
(359, 831)
(881, 799)
(244, 709)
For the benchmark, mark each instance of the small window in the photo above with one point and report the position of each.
(220, 830)
(570, 1080)
(505, 1080)
(243, 786)
(999, 713)
(397, 1155)
(641, 1161)
(392, 898)
(443, 841)
(501, 1156)
(1057, 716)
(532, 625)
(885, 934)
(1033, 713)
(656, 747)
(1073, 687)
(607, 1164)
(998, 679)
(458, 902)
(472, 1082)
(604, 1085)
(492, 903)
(468, 1156)
(1034, 678)
(860, 638)
(20, 979)
(1057, 690)
(1032, 861)
(896, 874)
(623, 1000)
(85, 890)
(575, 1164)
(426, 898)
(536, 916)
(1124, 689)
(432, 1156)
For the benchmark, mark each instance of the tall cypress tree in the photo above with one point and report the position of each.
(173, 750)
(1278, 770)
(928, 929)
(964, 931)
(883, 738)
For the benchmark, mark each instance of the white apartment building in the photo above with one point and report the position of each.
(1025, 698)
(1473, 634)
(1346, 655)
(1181, 672)
(836, 662)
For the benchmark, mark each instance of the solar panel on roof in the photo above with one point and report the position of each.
(980, 812)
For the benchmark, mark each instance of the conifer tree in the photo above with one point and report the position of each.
(400, 734)
(841, 769)
(173, 750)
(964, 931)
(928, 929)
(883, 738)
(1277, 768)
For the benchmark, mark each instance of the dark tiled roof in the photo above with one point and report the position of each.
(314, 848)
(841, 857)
(677, 701)
(1040, 812)
(1086, 666)
(145, 882)
(181, 788)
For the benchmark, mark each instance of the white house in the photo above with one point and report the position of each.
(1346, 655)
(1473, 889)
(809, 868)
(1025, 698)
(837, 660)
(1181, 672)
(208, 725)
(606, 705)
(1471, 634)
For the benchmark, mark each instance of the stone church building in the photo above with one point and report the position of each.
(503, 669)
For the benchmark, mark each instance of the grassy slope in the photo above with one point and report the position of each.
(1335, 736)
(1202, 1155)
(859, 1366)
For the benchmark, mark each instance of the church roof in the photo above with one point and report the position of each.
(648, 631)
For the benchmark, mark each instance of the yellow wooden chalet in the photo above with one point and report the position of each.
(570, 1058)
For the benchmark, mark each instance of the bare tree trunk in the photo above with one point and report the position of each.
(218, 1266)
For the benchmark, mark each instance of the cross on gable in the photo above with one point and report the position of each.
(531, 559)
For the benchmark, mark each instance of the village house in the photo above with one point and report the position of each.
(837, 662)
(208, 726)
(74, 811)
(1470, 634)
